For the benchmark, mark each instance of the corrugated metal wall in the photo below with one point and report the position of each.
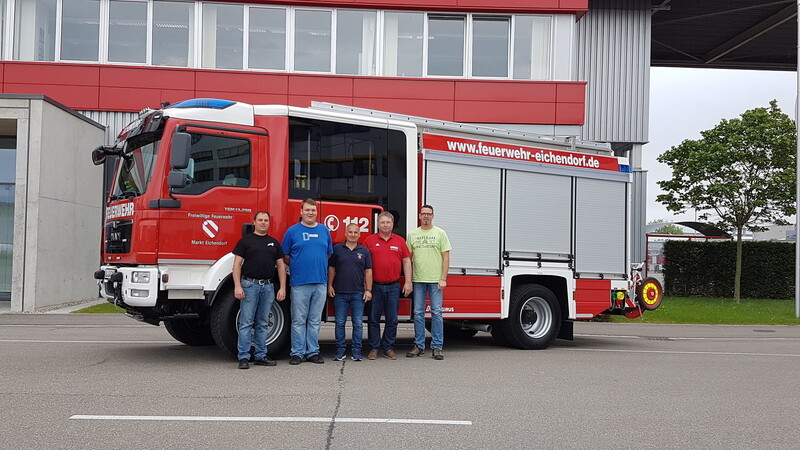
(114, 121)
(614, 58)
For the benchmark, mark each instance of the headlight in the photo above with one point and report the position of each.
(140, 277)
(140, 293)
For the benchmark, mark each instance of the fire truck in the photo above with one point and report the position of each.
(540, 226)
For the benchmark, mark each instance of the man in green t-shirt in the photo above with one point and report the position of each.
(430, 258)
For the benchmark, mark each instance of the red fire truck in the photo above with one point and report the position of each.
(539, 226)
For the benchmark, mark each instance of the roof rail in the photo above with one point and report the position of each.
(571, 141)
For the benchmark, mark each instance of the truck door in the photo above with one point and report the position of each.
(225, 173)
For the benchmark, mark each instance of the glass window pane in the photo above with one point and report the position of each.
(35, 30)
(6, 239)
(173, 25)
(312, 41)
(490, 42)
(217, 161)
(267, 39)
(80, 30)
(531, 48)
(2, 22)
(127, 32)
(402, 44)
(355, 42)
(223, 36)
(446, 46)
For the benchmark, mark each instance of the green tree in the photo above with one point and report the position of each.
(669, 229)
(742, 171)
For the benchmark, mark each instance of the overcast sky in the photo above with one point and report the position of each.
(684, 102)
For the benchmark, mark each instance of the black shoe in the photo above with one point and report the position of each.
(295, 360)
(316, 359)
(266, 361)
(243, 364)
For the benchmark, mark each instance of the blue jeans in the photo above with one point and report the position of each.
(253, 313)
(307, 303)
(384, 301)
(437, 336)
(341, 304)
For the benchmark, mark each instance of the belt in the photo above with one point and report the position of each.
(387, 284)
(261, 282)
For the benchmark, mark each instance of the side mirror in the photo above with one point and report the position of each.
(177, 179)
(181, 149)
(100, 153)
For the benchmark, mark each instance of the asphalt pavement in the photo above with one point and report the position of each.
(106, 381)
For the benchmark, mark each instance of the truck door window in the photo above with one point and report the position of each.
(217, 161)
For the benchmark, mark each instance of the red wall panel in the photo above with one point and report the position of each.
(120, 88)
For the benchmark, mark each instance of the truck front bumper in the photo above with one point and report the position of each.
(138, 286)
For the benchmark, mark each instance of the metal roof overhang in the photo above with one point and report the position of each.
(724, 34)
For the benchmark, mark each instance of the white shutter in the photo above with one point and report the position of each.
(466, 202)
(600, 227)
(538, 213)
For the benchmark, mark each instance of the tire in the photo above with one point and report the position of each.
(194, 332)
(534, 318)
(649, 294)
(225, 317)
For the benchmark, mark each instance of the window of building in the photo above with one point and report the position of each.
(80, 30)
(127, 32)
(2, 24)
(312, 40)
(355, 42)
(223, 36)
(217, 161)
(446, 46)
(35, 30)
(267, 36)
(532, 48)
(8, 164)
(403, 38)
(173, 34)
(490, 47)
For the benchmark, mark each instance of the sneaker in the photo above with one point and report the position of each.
(356, 357)
(390, 354)
(416, 351)
(265, 361)
(243, 364)
(295, 360)
(373, 354)
(339, 357)
(316, 359)
(437, 354)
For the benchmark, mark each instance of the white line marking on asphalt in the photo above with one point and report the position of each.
(714, 338)
(43, 341)
(273, 419)
(681, 353)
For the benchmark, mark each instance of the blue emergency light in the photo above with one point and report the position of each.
(203, 103)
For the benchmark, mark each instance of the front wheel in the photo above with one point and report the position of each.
(193, 332)
(534, 317)
(225, 320)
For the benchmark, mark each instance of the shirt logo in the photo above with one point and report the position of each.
(360, 256)
(308, 236)
(393, 247)
(271, 244)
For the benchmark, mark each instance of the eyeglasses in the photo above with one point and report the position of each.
(426, 214)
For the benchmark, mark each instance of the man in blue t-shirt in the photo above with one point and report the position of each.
(306, 246)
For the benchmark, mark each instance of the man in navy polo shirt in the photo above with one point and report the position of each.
(350, 285)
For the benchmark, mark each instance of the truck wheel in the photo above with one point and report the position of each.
(534, 317)
(193, 332)
(225, 317)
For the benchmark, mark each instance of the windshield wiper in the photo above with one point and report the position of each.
(125, 195)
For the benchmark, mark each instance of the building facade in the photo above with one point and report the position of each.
(554, 67)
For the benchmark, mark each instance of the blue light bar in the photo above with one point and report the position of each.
(203, 103)
(625, 168)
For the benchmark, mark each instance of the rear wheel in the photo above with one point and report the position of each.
(534, 317)
(193, 332)
(225, 319)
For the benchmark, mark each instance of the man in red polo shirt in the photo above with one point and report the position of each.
(389, 254)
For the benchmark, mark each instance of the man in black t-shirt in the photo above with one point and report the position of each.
(257, 258)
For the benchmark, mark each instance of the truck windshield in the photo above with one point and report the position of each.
(136, 166)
